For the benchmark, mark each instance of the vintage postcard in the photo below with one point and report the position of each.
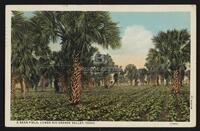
(100, 66)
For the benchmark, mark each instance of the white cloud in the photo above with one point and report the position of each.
(136, 40)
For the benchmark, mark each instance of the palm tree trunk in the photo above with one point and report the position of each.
(154, 80)
(136, 82)
(162, 80)
(41, 82)
(27, 86)
(157, 80)
(22, 87)
(167, 81)
(90, 84)
(56, 86)
(131, 82)
(176, 82)
(13, 89)
(75, 80)
(107, 81)
(142, 82)
(150, 81)
(181, 76)
(62, 80)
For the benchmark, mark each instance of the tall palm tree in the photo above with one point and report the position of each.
(175, 45)
(78, 31)
(131, 73)
(28, 46)
(42, 52)
(22, 60)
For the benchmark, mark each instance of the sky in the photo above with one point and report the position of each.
(136, 32)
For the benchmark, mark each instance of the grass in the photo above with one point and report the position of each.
(141, 103)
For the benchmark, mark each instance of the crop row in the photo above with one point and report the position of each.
(116, 104)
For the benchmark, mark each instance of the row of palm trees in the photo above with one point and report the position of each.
(169, 59)
(166, 64)
(132, 73)
(77, 32)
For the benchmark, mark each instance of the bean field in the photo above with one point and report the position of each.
(128, 103)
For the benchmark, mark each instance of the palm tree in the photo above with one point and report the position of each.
(28, 46)
(88, 65)
(142, 72)
(22, 60)
(121, 77)
(175, 45)
(105, 69)
(45, 71)
(60, 71)
(43, 53)
(78, 31)
(153, 64)
(131, 73)
(166, 73)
